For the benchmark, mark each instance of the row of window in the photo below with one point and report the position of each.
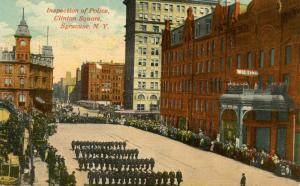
(8, 82)
(153, 40)
(157, 18)
(8, 69)
(153, 85)
(153, 74)
(155, 28)
(205, 87)
(154, 62)
(10, 97)
(212, 66)
(171, 7)
(153, 52)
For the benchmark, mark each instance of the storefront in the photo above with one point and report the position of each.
(255, 114)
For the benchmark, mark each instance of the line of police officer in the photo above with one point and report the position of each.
(116, 164)
(110, 163)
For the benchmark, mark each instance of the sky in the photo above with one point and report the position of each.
(70, 47)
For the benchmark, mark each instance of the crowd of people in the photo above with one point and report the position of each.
(111, 163)
(262, 159)
(57, 169)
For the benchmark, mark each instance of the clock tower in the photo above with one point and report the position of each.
(23, 38)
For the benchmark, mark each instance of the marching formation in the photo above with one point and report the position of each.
(110, 163)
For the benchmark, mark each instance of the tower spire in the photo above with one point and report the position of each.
(47, 35)
(23, 17)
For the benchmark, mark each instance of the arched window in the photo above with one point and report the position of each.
(153, 97)
(141, 97)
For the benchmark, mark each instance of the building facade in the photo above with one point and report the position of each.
(144, 23)
(26, 79)
(235, 72)
(102, 81)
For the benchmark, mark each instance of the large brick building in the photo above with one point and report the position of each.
(227, 73)
(26, 79)
(102, 82)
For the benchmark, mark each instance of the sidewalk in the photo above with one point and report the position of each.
(41, 172)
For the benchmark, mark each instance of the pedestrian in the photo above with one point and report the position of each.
(243, 180)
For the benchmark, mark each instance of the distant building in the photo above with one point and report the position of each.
(234, 74)
(144, 23)
(26, 79)
(76, 93)
(65, 87)
(102, 81)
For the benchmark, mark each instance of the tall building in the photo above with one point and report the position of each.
(235, 73)
(144, 23)
(102, 81)
(26, 79)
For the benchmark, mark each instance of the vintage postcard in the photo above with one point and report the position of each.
(150, 92)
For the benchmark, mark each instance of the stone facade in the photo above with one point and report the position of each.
(197, 66)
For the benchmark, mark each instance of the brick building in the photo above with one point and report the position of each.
(102, 82)
(144, 22)
(236, 72)
(26, 79)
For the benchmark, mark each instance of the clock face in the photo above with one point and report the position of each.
(23, 43)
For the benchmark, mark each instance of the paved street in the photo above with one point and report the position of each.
(198, 167)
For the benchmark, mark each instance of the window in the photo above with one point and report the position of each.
(7, 82)
(22, 82)
(155, 28)
(229, 62)
(298, 117)
(158, 6)
(238, 62)
(140, 107)
(270, 80)
(272, 57)
(156, 85)
(288, 54)
(142, 62)
(249, 60)
(8, 69)
(154, 51)
(22, 98)
(196, 105)
(260, 82)
(182, 8)
(286, 79)
(142, 51)
(222, 65)
(156, 74)
(22, 70)
(222, 45)
(156, 40)
(144, 27)
(261, 59)
(151, 85)
(178, 8)
(143, 85)
(154, 62)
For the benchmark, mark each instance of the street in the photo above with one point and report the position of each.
(198, 167)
